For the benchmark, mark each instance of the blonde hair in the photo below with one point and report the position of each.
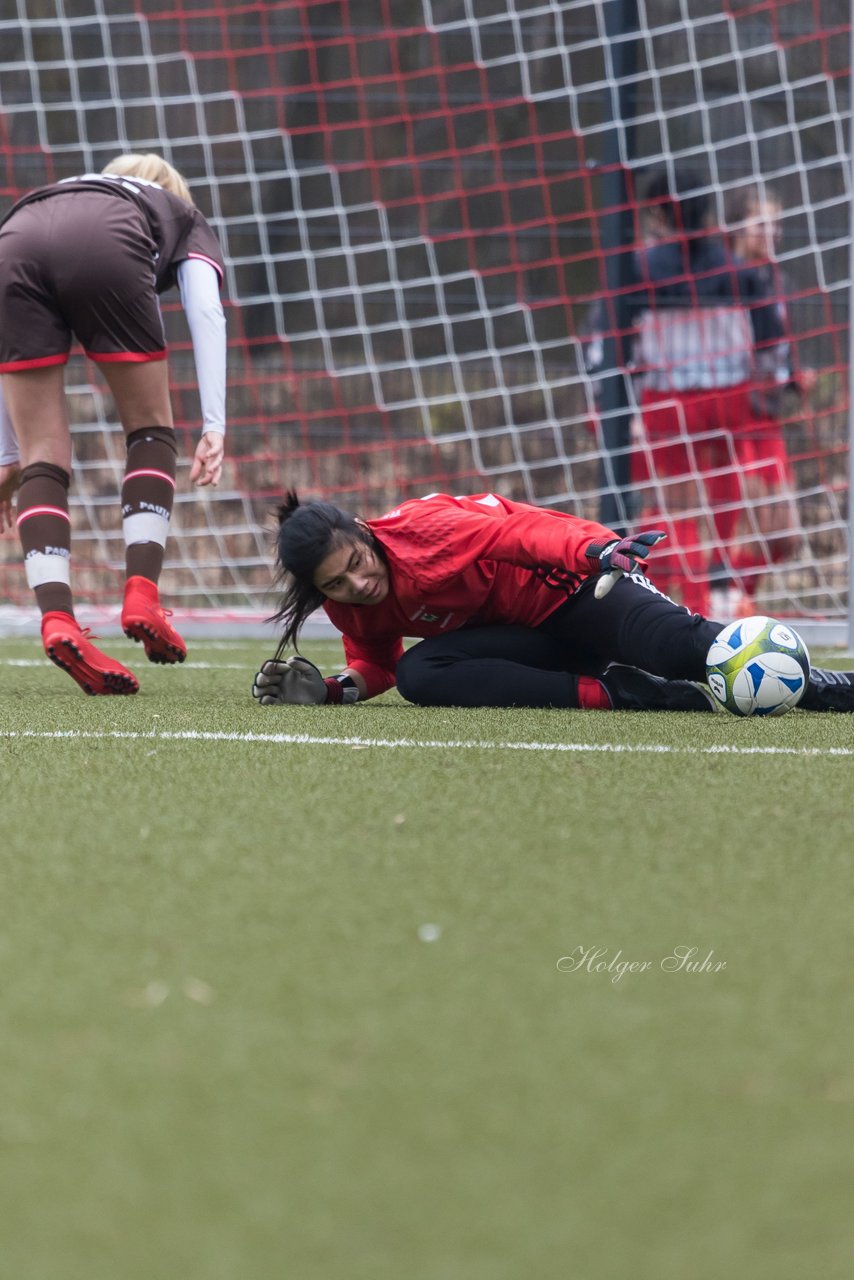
(152, 168)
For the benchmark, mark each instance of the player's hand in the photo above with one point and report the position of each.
(208, 459)
(292, 680)
(623, 555)
(806, 381)
(10, 477)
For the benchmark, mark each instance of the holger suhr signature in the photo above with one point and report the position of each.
(599, 960)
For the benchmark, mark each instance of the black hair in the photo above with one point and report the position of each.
(306, 534)
(683, 203)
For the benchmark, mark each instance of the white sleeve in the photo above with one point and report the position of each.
(8, 440)
(198, 285)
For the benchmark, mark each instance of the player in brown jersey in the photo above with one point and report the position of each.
(87, 258)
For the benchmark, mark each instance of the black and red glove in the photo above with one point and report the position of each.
(623, 555)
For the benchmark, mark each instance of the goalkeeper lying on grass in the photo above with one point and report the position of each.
(514, 606)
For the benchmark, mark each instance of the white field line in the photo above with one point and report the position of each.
(189, 666)
(316, 740)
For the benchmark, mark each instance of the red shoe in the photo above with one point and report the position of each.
(69, 647)
(144, 619)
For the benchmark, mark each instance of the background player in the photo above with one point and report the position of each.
(88, 257)
(763, 482)
(694, 348)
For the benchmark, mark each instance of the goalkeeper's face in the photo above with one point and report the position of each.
(353, 573)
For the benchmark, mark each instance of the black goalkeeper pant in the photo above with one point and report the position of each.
(513, 666)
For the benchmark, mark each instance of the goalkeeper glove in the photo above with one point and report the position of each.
(623, 554)
(295, 680)
(298, 682)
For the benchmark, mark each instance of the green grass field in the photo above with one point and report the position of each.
(285, 991)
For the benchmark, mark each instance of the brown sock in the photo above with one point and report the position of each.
(44, 528)
(148, 493)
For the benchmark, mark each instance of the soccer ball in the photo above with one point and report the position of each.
(758, 667)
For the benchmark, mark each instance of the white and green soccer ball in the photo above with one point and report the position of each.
(758, 667)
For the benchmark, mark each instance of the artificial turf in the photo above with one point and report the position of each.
(302, 1008)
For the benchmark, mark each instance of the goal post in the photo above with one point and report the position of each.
(616, 509)
(421, 205)
(850, 628)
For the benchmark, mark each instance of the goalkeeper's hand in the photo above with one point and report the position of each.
(293, 680)
(623, 555)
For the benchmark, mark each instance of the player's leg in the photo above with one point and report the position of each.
(774, 524)
(141, 392)
(829, 691)
(519, 667)
(108, 294)
(779, 520)
(502, 666)
(645, 636)
(486, 667)
(35, 400)
(728, 492)
(723, 417)
(634, 625)
(682, 563)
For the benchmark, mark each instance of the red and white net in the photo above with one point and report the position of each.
(410, 198)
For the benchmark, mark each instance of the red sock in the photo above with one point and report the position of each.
(592, 695)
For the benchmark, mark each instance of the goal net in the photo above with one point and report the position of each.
(426, 210)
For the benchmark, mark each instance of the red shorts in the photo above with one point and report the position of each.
(760, 447)
(691, 432)
(79, 263)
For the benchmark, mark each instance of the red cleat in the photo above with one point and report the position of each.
(68, 645)
(144, 619)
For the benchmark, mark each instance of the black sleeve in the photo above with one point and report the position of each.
(756, 292)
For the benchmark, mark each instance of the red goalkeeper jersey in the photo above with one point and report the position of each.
(463, 562)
